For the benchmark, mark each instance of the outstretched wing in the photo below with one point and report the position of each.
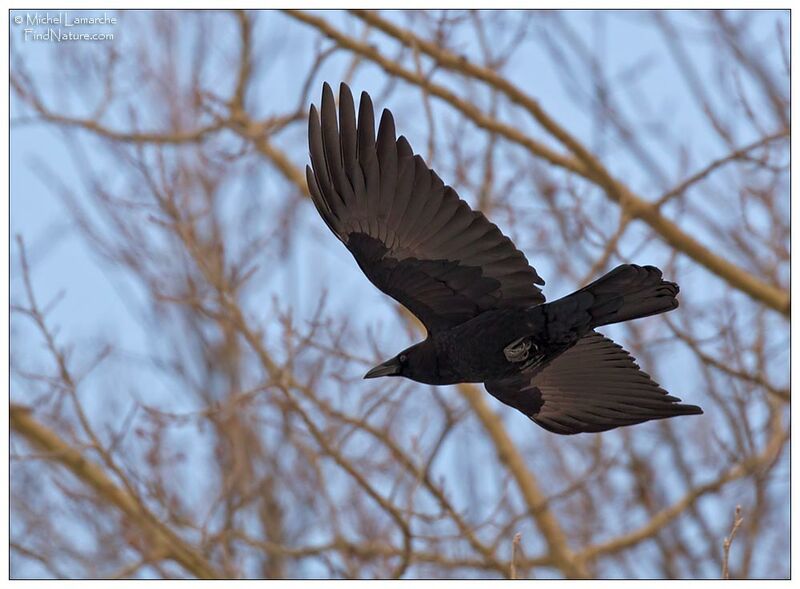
(412, 236)
(594, 386)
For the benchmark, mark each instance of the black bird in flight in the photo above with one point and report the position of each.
(474, 291)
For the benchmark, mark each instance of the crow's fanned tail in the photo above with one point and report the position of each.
(630, 292)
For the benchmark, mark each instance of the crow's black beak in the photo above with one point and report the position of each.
(388, 368)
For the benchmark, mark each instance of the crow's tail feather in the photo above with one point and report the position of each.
(630, 292)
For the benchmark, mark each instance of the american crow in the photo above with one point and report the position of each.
(476, 294)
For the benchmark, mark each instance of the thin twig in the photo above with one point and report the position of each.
(726, 543)
(515, 546)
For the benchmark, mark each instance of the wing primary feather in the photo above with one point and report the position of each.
(324, 210)
(317, 153)
(405, 184)
(404, 147)
(347, 129)
(348, 134)
(369, 162)
(330, 141)
(386, 146)
(366, 126)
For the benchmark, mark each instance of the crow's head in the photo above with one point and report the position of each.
(417, 363)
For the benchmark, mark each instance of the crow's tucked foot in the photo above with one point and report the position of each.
(519, 349)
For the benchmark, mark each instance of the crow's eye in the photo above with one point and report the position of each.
(403, 358)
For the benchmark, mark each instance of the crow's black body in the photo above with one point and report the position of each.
(476, 294)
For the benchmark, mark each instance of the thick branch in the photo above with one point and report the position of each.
(536, 500)
(163, 541)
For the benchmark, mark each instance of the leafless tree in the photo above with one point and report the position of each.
(237, 439)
